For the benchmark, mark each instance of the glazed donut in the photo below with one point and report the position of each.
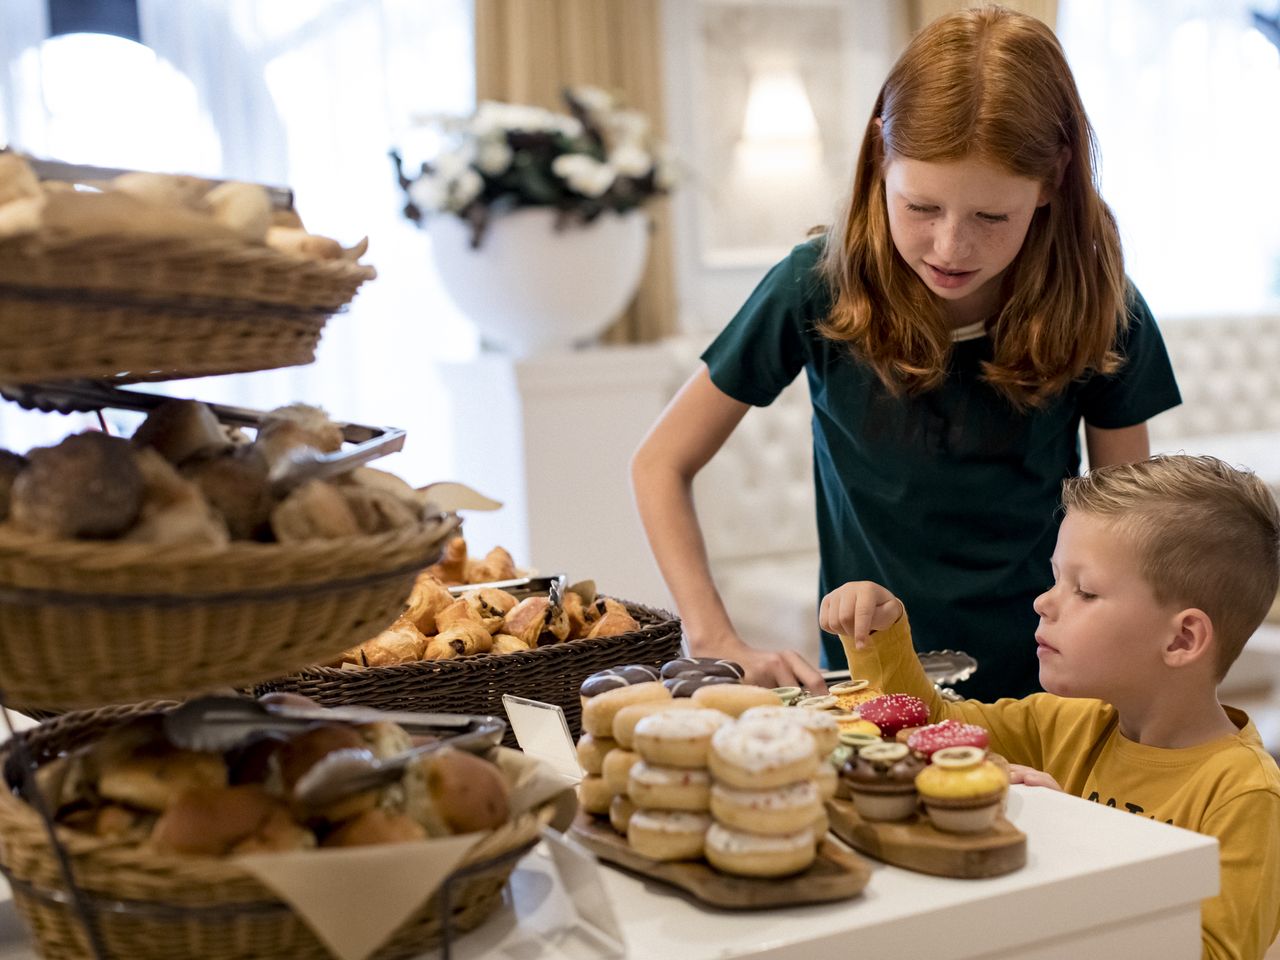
(704, 665)
(625, 720)
(598, 714)
(759, 754)
(667, 834)
(592, 751)
(620, 810)
(685, 684)
(615, 677)
(751, 855)
(821, 724)
(733, 698)
(678, 738)
(775, 812)
(894, 711)
(617, 768)
(594, 796)
(669, 788)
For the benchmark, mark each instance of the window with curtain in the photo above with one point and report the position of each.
(310, 94)
(1185, 98)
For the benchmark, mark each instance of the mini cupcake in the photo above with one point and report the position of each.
(962, 790)
(949, 733)
(893, 712)
(852, 693)
(881, 780)
(851, 723)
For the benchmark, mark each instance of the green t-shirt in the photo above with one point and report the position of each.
(949, 498)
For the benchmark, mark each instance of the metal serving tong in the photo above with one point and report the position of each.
(281, 197)
(217, 724)
(78, 396)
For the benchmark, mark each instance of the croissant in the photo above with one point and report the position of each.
(401, 642)
(532, 621)
(576, 611)
(451, 569)
(506, 643)
(456, 613)
(428, 598)
(466, 637)
(496, 565)
(437, 649)
(615, 620)
(489, 605)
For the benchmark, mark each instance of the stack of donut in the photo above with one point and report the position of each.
(726, 773)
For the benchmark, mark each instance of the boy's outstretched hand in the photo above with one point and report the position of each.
(1031, 777)
(858, 609)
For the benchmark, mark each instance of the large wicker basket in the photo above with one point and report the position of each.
(475, 685)
(153, 907)
(145, 309)
(84, 624)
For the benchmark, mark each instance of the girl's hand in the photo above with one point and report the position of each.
(858, 609)
(1031, 777)
(764, 668)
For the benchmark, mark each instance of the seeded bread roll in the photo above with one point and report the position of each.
(178, 429)
(87, 486)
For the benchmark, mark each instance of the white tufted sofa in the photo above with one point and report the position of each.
(755, 497)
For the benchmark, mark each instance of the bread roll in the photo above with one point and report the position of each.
(298, 243)
(178, 429)
(316, 510)
(173, 509)
(234, 482)
(375, 826)
(87, 486)
(468, 793)
(320, 432)
(242, 207)
(163, 189)
(377, 511)
(213, 820)
(303, 751)
(152, 778)
(17, 179)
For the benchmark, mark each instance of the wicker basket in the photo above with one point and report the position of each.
(152, 907)
(87, 624)
(146, 309)
(475, 685)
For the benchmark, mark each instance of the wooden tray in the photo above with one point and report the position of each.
(916, 844)
(837, 874)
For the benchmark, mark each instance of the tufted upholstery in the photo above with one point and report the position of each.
(755, 497)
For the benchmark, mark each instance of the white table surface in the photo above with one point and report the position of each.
(1096, 879)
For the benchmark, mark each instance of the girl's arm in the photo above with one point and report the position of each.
(1123, 445)
(690, 431)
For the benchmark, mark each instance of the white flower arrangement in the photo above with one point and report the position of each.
(597, 157)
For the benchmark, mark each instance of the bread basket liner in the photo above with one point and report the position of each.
(85, 624)
(353, 899)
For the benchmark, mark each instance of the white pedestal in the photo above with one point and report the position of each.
(551, 436)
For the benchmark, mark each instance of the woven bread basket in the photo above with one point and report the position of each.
(145, 308)
(163, 907)
(475, 684)
(85, 623)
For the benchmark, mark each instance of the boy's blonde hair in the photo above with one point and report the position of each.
(1207, 536)
(991, 84)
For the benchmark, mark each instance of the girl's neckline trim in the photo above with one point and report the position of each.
(971, 331)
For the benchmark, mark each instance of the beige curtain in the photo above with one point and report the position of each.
(527, 51)
(924, 11)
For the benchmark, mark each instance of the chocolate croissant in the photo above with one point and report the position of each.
(467, 637)
(428, 598)
(532, 621)
(489, 606)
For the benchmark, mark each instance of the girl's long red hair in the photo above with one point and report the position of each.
(991, 84)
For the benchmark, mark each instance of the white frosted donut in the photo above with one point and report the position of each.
(826, 780)
(669, 788)
(598, 714)
(592, 751)
(620, 810)
(820, 724)
(624, 722)
(668, 834)
(617, 768)
(758, 754)
(677, 738)
(734, 698)
(594, 795)
(751, 855)
(780, 811)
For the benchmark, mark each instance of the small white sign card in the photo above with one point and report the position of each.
(543, 732)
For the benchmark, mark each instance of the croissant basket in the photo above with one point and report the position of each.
(476, 684)
(145, 308)
(83, 624)
(151, 906)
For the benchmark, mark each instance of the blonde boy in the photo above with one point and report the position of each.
(1162, 571)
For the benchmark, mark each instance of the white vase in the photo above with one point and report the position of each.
(530, 288)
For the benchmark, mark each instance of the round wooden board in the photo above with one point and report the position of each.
(837, 873)
(916, 844)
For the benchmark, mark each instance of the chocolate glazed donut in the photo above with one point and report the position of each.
(614, 677)
(684, 684)
(705, 665)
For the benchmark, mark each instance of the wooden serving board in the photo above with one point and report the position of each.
(837, 874)
(917, 844)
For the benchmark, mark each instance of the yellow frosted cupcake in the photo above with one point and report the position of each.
(962, 790)
(851, 693)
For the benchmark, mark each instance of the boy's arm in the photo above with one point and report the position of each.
(1243, 919)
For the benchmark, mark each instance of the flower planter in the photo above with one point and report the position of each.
(531, 288)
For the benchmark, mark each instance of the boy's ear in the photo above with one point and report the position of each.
(1192, 638)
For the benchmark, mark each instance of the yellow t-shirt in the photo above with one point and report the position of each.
(1228, 789)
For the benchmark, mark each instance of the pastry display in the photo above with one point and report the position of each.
(961, 790)
(881, 778)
